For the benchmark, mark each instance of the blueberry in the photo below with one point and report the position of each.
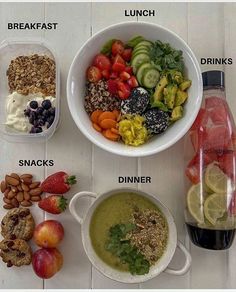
(33, 130)
(50, 120)
(41, 122)
(52, 111)
(39, 130)
(27, 112)
(45, 113)
(39, 110)
(46, 104)
(33, 104)
(32, 118)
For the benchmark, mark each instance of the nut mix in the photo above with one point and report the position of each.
(20, 190)
(31, 74)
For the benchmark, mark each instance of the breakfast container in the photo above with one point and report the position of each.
(9, 50)
(210, 169)
(77, 79)
(160, 266)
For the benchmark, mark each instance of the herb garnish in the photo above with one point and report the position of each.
(165, 57)
(121, 247)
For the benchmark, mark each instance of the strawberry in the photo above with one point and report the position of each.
(54, 204)
(58, 183)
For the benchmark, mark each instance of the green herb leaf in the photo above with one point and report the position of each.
(128, 254)
(106, 49)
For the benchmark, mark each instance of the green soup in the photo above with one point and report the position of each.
(116, 209)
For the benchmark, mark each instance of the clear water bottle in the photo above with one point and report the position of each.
(210, 150)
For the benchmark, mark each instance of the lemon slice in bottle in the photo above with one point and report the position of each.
(216, 179)
(215, 207)
(195, 201)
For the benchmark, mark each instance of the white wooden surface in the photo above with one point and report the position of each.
(209, 28)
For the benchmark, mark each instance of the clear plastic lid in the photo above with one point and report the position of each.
(9, 50)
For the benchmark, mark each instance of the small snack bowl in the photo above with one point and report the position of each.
(96, 132)
(86, 221)
(10, 50)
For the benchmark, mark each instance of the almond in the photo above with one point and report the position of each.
(14, 189)
(8, 206)
(11, 180)
(35, 192)
(11, 195)
(26, 175)
(34, 185)
(3, 186)
(7, 201)
(6, 192)
(15, 175)
(26, 196)
(26, 204)
(15, 203)
(35, 198)
(25, 187)
(20, 197)
(20, 188)
(27, 180)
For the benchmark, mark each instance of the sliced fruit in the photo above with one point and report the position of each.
(195, 202)
(227, 163)
(199, 119)
(118, 67)
(94, 74)
(140, 71)
(112, 86)
(117, 48)
(217, 137)
(216, 179)
(132, 82)
(127, 54)
(139, 59)
(215, 207)
(150, 77)
(124, 76)
(102, 62)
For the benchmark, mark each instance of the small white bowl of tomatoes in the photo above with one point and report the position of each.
(119, 69)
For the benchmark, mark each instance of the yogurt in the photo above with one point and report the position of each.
(16, 104)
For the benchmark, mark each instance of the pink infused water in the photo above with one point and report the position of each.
(210, 150)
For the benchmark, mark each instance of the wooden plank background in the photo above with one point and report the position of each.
(209, 28)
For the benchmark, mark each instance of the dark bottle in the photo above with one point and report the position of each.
(210, 150)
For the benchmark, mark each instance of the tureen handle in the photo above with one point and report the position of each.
(187, 264)
(73, 202)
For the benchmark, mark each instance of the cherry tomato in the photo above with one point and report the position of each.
(118, 67)
(106, 74)
(117, 48)
(132, 82)
(93, 74)
(124, 76)
(124, 90)
(102, 62)
(129, 70)
(119, 59)
(112, 86)
(114, 75)
(127, 54)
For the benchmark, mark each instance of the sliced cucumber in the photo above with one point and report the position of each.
(138, 53)
(139, 59)
(150, 77)
(140, 71)
(141, 48)
(144, 43)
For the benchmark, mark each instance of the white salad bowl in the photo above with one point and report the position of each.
(126, 277)
(77, 78)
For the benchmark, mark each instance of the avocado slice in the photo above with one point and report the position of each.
(158, 94)
(177, 113)
(185, 85)
(181, 97)
(169, 98)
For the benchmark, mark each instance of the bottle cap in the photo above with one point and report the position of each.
(214, 78)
